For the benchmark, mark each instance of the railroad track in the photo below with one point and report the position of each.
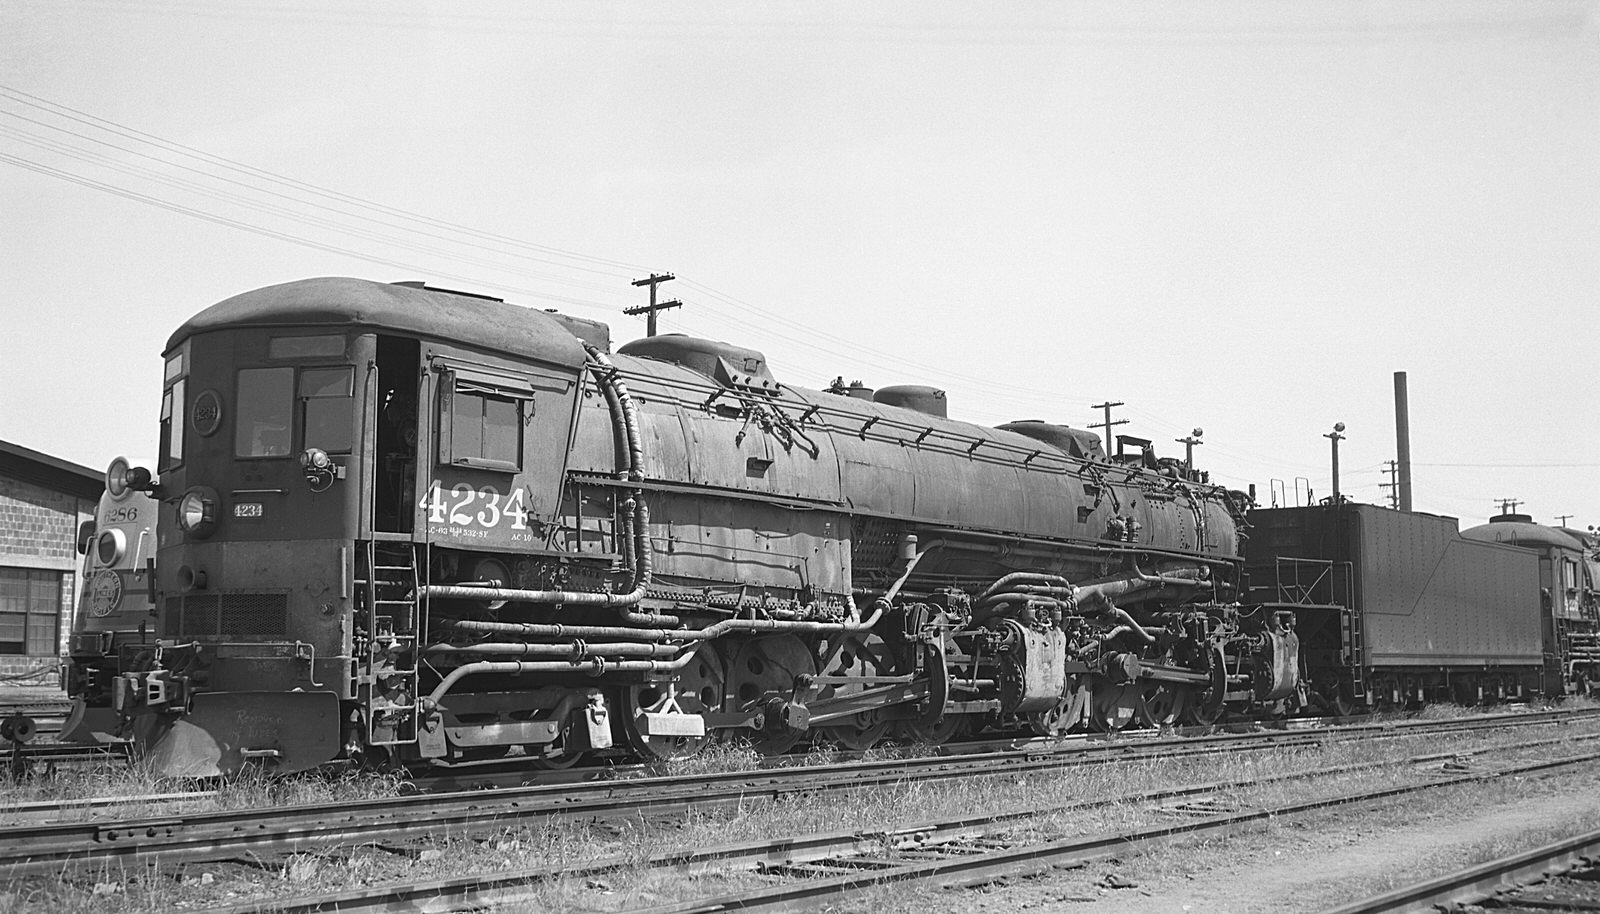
(1095, 749)
(40, 848)
(821, 868)
(1560, 876)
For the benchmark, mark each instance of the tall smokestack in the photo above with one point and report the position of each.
(1402, 439)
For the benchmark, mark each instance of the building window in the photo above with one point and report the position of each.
(30, 607)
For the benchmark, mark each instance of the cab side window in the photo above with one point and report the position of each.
(481, 421)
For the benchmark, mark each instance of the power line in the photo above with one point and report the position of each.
(617, 267)
(271, 233)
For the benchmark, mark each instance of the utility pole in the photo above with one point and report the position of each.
(1392, 467)
(1509, 505)
(1189, 441)
(1563, 518)
(1335, 437)
(1108, 423)
(655, 279)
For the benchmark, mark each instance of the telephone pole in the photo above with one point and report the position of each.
(1108, 423)
(1392, 467)
(650, 310)
(1510, 505)
(1563, 518)
(1189, 441)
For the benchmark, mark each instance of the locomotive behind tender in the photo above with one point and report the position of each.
(406, 524)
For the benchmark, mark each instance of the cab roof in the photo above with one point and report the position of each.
(524, 333)
(1521, 533)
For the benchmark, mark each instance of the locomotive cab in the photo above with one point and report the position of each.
(312, 437)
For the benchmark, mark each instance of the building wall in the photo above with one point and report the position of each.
(38, 531)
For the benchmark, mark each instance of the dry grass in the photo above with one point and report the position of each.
(632, 885)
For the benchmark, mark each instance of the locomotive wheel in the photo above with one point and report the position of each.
(1162, 703)
(1063, 717)
(857, 738)
(557, 762)
(854, 655)
(1114, 707)
(937, 733)
(765, 669)
(697, 691)
(1205, 706)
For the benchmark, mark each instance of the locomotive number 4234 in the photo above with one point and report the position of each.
(465, 506)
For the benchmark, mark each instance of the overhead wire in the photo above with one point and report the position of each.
(311, 219)
(87, 119)
(479, 249)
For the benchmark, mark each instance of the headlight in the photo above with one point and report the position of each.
(197, 512)
(122, 478)
(111, 546)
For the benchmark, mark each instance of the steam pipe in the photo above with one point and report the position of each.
(1015, 577)
(594, 666)
(598, 666)
(576, 650)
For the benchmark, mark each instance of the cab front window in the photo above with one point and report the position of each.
(266, 402)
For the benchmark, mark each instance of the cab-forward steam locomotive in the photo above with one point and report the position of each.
(410, 525)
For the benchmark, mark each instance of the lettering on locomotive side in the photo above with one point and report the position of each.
(467, 509)
(458, 532)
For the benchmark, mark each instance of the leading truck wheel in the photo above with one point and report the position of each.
(697, 691)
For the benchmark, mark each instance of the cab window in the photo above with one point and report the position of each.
(172, 411)
(266, 400)
(482, 422)
(329, 418)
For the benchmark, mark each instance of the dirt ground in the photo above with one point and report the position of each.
(1306, 865)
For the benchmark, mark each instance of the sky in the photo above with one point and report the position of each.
(1243, 217)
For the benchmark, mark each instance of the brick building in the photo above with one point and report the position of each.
(43, 499)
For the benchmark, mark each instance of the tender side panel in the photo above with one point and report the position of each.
(1431, 597)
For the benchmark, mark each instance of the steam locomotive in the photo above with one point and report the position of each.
(406, 525)
(403, 525)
